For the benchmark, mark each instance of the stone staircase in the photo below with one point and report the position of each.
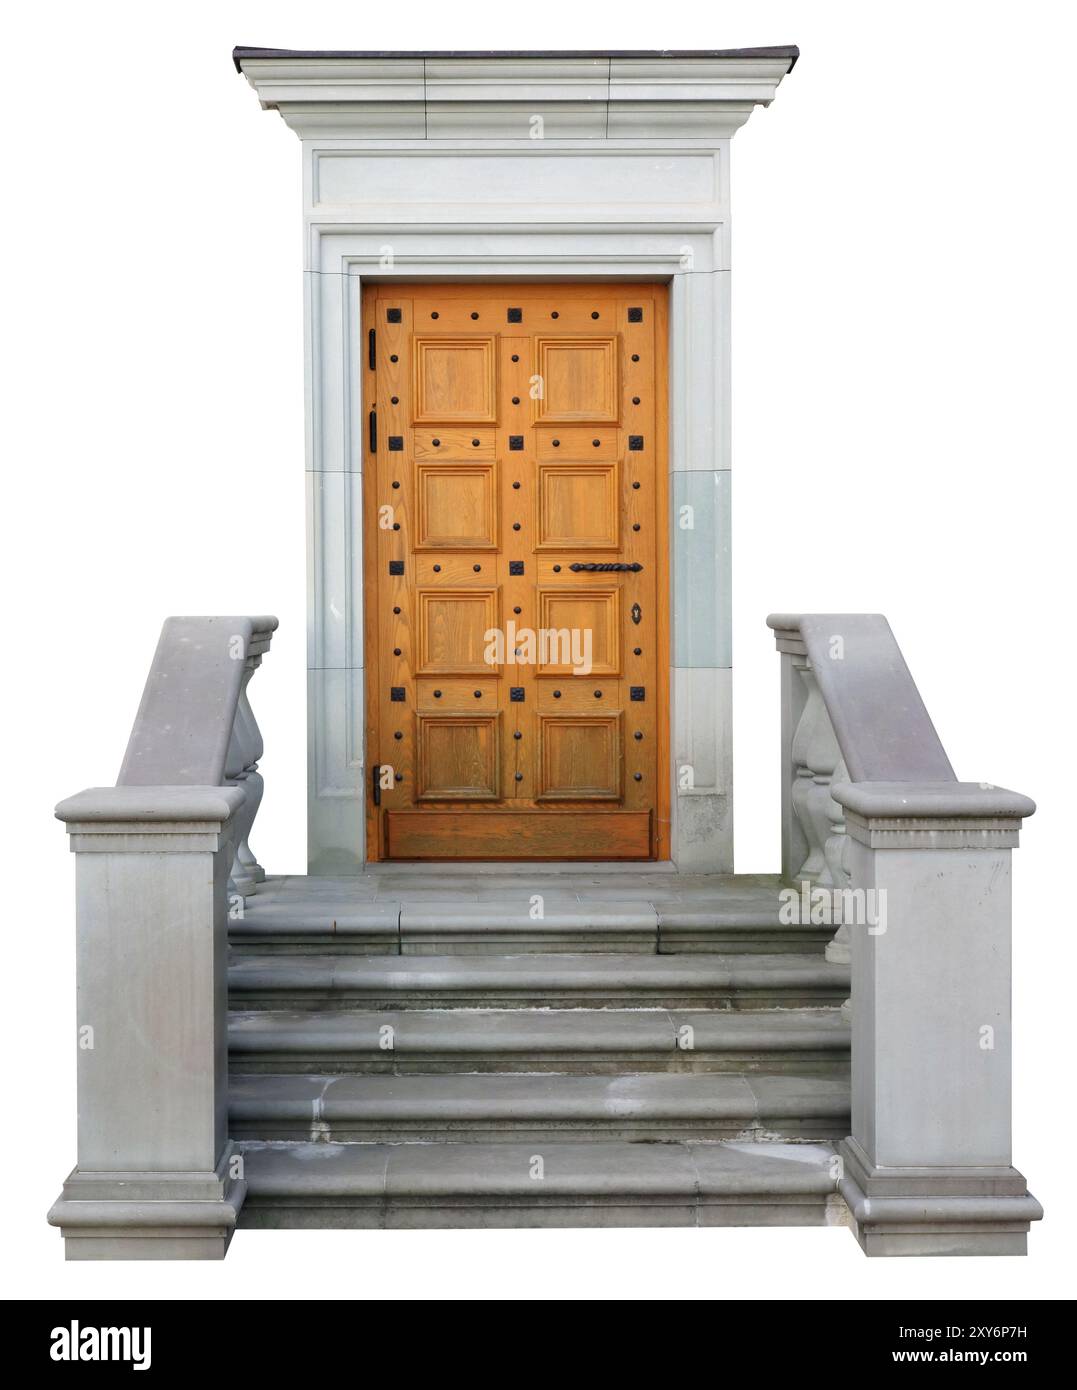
(417, 1048)
(541, 1044)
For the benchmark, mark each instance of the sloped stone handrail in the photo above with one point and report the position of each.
(918, 864)
(195, 725)
(157, 1177)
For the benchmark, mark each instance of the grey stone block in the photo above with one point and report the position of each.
(319, 925)
(532, 1106)
(803, 1041)
(440, 928)
(543, 1184)
(598, 1041)
(696, 928)
(950, 1209)
(538, 980)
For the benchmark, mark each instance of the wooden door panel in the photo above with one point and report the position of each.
(455, 380)
(434, 693)
(577, 622)
(580, 757)
(579, 506)
(579, 380)
(456, 506)
(519, 432)
(538, 834)
(458, 757)
(453, 624)
(594, 442)
(446, 445)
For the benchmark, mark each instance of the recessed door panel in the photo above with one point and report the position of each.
(579, 757)
(579, 506)
(578, 380)
(582, 631)
(455, 380)
(514, 484)
(456, 506)
(458, 757)
(453, 624)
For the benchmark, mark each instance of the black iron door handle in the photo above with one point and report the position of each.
(619, 566)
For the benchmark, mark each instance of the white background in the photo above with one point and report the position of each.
(903, 442)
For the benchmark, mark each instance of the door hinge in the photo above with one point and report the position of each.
(375, 783)
(372, 422)
(372, 349)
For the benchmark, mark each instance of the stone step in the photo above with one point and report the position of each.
(533, 1107)
(317, 1185)
(446, 926)
(316, 923)
(530, 1040)
(596, 980)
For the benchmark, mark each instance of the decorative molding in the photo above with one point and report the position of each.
(370, 96)
(932, 815)
(931, 836)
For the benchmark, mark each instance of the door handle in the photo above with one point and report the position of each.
(609, 567)
(375, 783)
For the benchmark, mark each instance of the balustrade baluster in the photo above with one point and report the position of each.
(816, 765)
(244, 752)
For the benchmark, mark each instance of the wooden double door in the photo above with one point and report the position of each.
(516, 589)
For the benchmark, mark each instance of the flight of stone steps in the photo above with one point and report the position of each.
(422, 1050)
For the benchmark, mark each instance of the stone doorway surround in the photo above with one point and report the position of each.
(519, 166)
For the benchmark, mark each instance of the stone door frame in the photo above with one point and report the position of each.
(533, 166)
(342, 261)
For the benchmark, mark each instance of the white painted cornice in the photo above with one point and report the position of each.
(452, 96)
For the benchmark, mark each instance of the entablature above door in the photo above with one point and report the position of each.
(596, 96)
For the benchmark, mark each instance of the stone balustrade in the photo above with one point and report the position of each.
(918, 865)
(813, 825)
(157, 857)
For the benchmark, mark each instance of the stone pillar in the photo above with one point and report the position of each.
(156, 1177)
(928, 1168)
